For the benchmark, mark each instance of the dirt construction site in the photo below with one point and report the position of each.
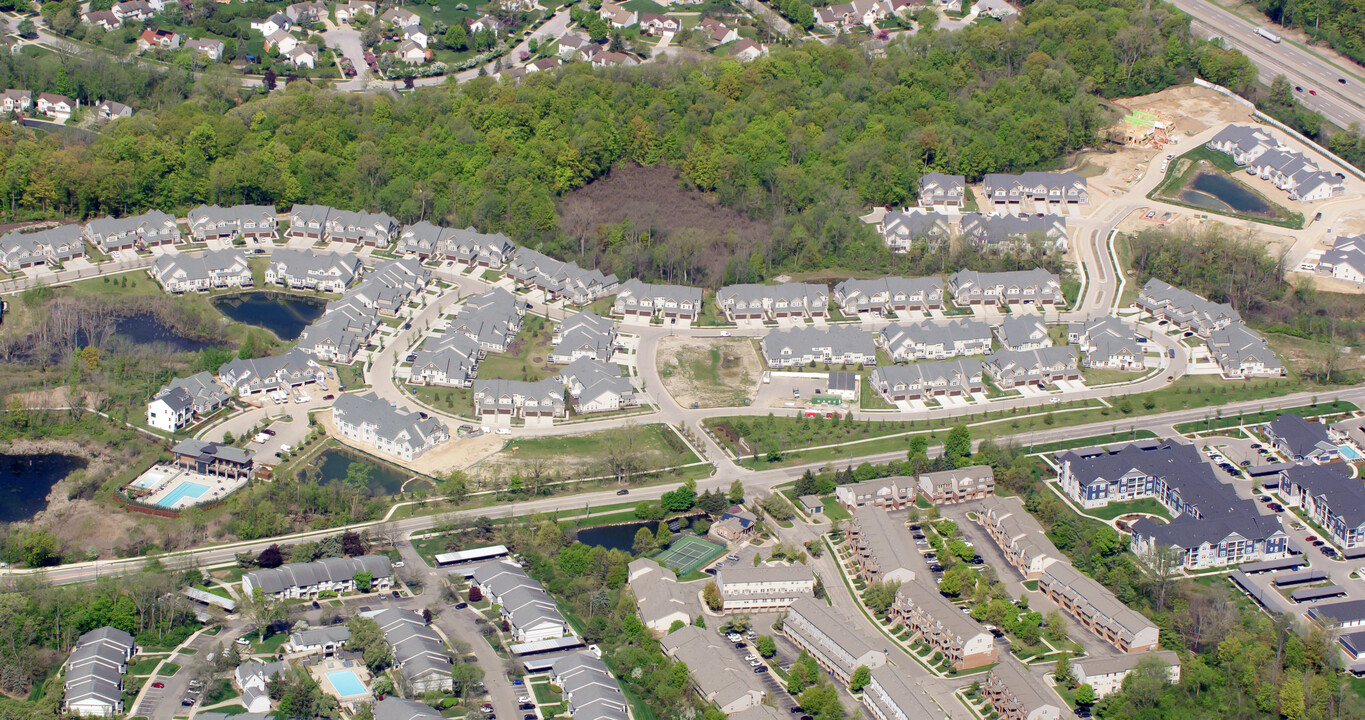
(710, 372)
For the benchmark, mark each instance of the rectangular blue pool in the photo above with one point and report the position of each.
(185, 489)
(1350, 453)
(346, 683)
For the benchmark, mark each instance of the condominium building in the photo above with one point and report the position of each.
(836, 646)
(660, 600)
(1018, 535)
(1016, 695)
(889, 695)
(943, 626)
(892, 493)
(763, 587)
(1096, 608)
(717, 671)
(960, 485)
(882, 549)
(1106, 675)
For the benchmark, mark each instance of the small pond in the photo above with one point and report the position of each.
(1222, 193)
(284, 314)
(146, 329)
(26, 480)
(335, 463)
(614, 537)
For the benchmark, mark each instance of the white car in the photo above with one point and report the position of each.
(754, 663)
(725, 333)
(733, 637)
(503, 431)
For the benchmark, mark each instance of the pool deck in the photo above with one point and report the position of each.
(322, 672)
(159, 484)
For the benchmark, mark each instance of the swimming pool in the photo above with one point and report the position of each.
(150, 479)
(1350, 453)
(185, 489)
(346, 683)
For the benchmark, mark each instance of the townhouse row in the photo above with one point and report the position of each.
(982, 232)
(293, 581)
(940, 488)
(1267, 158)
(1239, 351)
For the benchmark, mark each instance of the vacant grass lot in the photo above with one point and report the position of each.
(711, 372)
(527, 358)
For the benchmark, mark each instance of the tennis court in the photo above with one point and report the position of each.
(688, 553)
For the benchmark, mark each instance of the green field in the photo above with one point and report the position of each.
(1218, 423)
(527, 358)
(657, 443)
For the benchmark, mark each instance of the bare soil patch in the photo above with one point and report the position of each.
(711, 372)
(653, 199)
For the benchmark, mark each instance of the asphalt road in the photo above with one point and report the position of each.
(1343, 104)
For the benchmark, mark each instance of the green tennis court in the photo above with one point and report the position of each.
(688, 553)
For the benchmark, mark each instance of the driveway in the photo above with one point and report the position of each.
(346, 39)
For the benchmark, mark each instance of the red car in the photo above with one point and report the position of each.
(1312, 92)
(158, 685)
(1311, 538)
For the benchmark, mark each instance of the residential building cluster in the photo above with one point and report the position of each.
(590, 691)
(1239, 351)
(834, 644)
(293, 581)
(1346, 259)
(93, 685)
(718, 673)
(182, 401)
(419, 651)
(983, 232)
(659, 599)
(763, 588)
(530, 612)
(1289, 170)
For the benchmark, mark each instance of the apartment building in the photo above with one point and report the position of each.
(1039, 368)
(150, 229)
(1015, 287)
(929, 380)
(528, 609)
(889, 695)
(892, 493)
(1014, 694)
(903, 230)
(1096, 608)
(960, 485)
(1018, 535)
(396, 431)
(881, 547)
(1106, 675)
(757, 303)
(312, 270)
(583, 334)
(590, 691)
(213, 269)
(836, 646)
(929, 340)
(1184, 309)
(1331, 496)
(763, 587)
(594, 386)
(541, 401)
(718, 673)
(1006, 233)
(943, 626)
(342, 332)
(1300, 440)
(838, 344)
(293, 369)
(672, 304)
(1108, 343)
(1243, 353)
(182, 400)
(293, 581)
(419, 651)
(1021, 333)
(93, 686)
(492, 318)
(659, 599)
(880, 297)
(451, 359)
(1346, 259)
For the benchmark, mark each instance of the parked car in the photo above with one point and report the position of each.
(461, 605)
(317, 605)
(396, 595)
(1311, 538)
(158, 684)
(760, 669)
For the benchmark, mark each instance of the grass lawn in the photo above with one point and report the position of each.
(271, 644)
(833, 510)
(449, 399)
(870, 399)
(657, 442)
(1097, 376)
(169, 669)
(1115, 509)
(544, 694)
(143, 667)
(527, 358)
(1215, 423)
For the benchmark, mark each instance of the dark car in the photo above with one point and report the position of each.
(328, 397)
(622, 492)
(526, 706)
(977, 560)
(461, 605)
(936, 568)
(1083, 713)
(1341, 80)
(412, 357)
(914, 528)
(760, 669)
(919, 536)
(317, 605)
(1245, 463)
(1298, 88)
(187, 702)
(741, 645)
(528, 716)
(794, 709)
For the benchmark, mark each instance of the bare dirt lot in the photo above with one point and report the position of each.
(652, 199)
(455, 454)
(711, 372)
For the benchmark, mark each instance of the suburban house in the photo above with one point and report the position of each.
(928, 380)
(249, 222)
(903, 230)
(182, 400)
(132, 11)
(475, 249)
(659, 599)
(558, 280)
(946, 487)
(891, 493)
(1002, 233)
(451, 359)
(312, 270)
(109, 110)
(1243, 353)
(735, 525)
(800, 346)
(882, 550)
(1023, 332)
(1184, 309)
(618, 15)
(1105, 675)
(835, 645)
(93, 686)
(773, 302)
(272, 24)
(1108, 343)
(942, 625)
(1300, 440)
(252, 678)
(763, 588)
(1009, 192)
(179, 272)
(149, 229)
(595, 386)
(396, 708)
(1345, 261)
(1014, 287)
(590, 691)
(306, 13)
(19, 250)
(293, 581)
(930, 340)
(540, 401)
(1014, 694)
(16, 101)
(419, 651)
(573, 46)
(208, 47)
(1331, 497)
(528, 609)
(370, 420)
(849, 15)
(399, 17)
(656, 24)
(103, 19)
(583, 334)
(745, 50)
(485, 23)
(294, 368)
(718, 32)
(718, 673)
(942, 191)
(156, 38)
(1046, 366)
(883, 296)
(670, 303)
(57, 107)
(326, 641)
